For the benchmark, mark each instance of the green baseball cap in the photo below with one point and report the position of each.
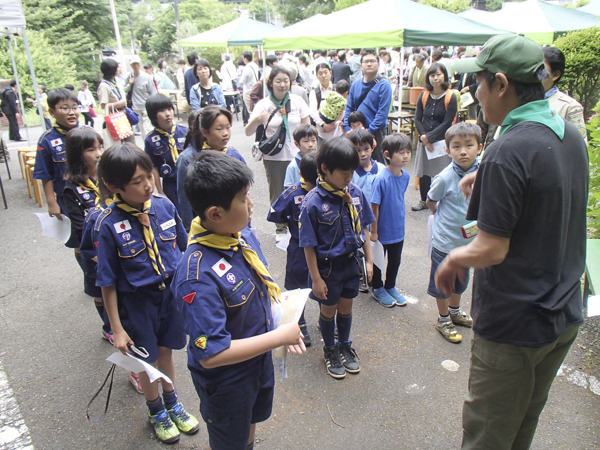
(516, 56)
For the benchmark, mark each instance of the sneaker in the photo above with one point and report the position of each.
(186, 423)
(165, 429)
(349, 357)
(333, 362)
(397, 296)
(306, 338)
(383, 297)
(280, 234)
(462, 319)
(134, 379)
(108, 335)
(362, 286)
(448, 330)
(419, 206)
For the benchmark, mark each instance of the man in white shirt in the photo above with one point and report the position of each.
(139, 87)
(248, 80)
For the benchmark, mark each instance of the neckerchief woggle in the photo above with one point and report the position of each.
(144, 219)
(200, 235)
(171, 136)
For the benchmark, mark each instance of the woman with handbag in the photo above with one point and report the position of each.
(111, 96)
(269, 113)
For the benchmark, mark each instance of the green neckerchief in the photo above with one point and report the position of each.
(282, 110)
(538, 111)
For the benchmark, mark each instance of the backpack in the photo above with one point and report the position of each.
(447, 99)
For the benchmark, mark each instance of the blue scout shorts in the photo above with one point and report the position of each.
(89, 280)
(341, 275)
(459, 286)
(230, 409)
(152, 319)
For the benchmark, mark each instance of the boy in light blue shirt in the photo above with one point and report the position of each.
(305, 138)
(368, 169)
(446, 201)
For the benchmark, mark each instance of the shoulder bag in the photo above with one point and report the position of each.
(273, 145)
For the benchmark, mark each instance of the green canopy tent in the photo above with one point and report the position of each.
(592, 7)
(541, 21)
(237, 32)
(381, 23)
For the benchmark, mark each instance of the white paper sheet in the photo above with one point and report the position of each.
(439, 149)
(133, 364)
(284, 242)
(54, 228)
(593, 308)
(466, 99)
(378, 255)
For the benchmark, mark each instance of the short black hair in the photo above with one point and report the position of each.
(433, 69)
(356, 51)
(369, 51)
(274, 72)
(342, 86)
(119, 163)
(357, 116)
(322, 66)
(337, 153)
(57, 95)
(70, 87)
(555, 59)
(395, 142)
(109, 67)
(463, 129)
(192, 57)
(76, 141)
(304, 130)
(271, 59)
(181, 61)
(526, 92)
(302, 58)
(214, 179)
(247, 55)
(361, 136)
(156, 103)
(12, 83)
(342, 56)
(203, 63)
(332, 54)
(159, 62)
(148, 66)
(308, 167)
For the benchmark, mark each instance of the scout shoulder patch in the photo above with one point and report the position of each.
(221, 267)
(56, 142)
(155, 138)
(189, 298)
(201, 342)
(122, 226)
(298, 199)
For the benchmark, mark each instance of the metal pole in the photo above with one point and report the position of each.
(266, 12)
(12, 57)
(262, 49)
(176, 7)
(117, 34)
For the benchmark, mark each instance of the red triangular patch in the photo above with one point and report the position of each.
(96, 244)
(189, 298)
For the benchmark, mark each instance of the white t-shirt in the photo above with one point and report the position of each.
(298, 111)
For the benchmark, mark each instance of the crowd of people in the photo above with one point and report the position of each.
(163, 234)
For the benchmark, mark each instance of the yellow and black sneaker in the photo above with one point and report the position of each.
(165, 430)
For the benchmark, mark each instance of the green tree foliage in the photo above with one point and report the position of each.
(582, 72)
(53, 68)
(296, 10)
(256, 10)
(453, 6)
(593, 210)
(343, 4)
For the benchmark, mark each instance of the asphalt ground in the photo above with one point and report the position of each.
(54, 358)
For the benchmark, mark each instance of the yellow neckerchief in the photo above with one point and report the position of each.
(208, 147)
(60, 129)
(171, 136)
(200, 235)
(303, 184)
(93, 187)
(144, 219)
(347, 198)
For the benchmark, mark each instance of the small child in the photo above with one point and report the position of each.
(368, 168)
(51, 161)
(305, 138)
(331, 113)
(333, 226)
(140, 239)
(164, 144)
(225, 290)
(357, 120)
(447, 203)
(286, 209)
(209, 129)
(387, 202)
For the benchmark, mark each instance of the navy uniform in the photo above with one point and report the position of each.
(78, 200)
(224, 299)
(156, 146)
(286, 209)
(325, 224)
(147, 309)
(51, 161)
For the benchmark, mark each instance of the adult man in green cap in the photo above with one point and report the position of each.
(529, 199)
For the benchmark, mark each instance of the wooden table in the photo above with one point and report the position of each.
(402, 118)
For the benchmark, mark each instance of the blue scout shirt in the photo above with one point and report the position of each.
(51, 158)
(325, 222)
(286, 209)
(364, 179)
(222, 299)
(157, 147)
(122, 254)
(388, 193)
(292, 172)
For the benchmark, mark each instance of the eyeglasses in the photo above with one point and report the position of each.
(370, 61)
(66, 109)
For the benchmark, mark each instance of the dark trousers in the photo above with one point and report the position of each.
(424, 186)
(13, 128)
(378, 152)
(88, 119)
(245, 114)
(394, 252)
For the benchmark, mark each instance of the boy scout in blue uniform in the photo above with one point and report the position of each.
(164, 144)
(140, 239)
(286, 209)
(226, 292)
(333, 226)
(51, 160)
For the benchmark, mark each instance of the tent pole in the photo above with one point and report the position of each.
(401, 77)
(117, 34)
(262, 49)
(12, 57)
(34, 81)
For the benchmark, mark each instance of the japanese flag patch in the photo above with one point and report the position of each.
(81, 190)
(122, 226)
(155, 138)
(221, 267)
(298, 199)
(56, 142)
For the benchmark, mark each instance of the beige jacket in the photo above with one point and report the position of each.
(570, 110)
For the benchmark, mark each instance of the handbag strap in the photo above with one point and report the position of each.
(114, 91)
(362, 97)
(287, 111)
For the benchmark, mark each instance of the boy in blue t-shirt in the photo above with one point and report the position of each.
(368, 168)
(387, 202)
(305, 138)
(446, 201)
(286, 209)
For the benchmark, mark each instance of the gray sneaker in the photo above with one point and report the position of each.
(419, 206)
(349, 357)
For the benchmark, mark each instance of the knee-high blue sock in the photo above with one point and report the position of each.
(327, 326)
(170, 398)
(155, 406)
(344, 324)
